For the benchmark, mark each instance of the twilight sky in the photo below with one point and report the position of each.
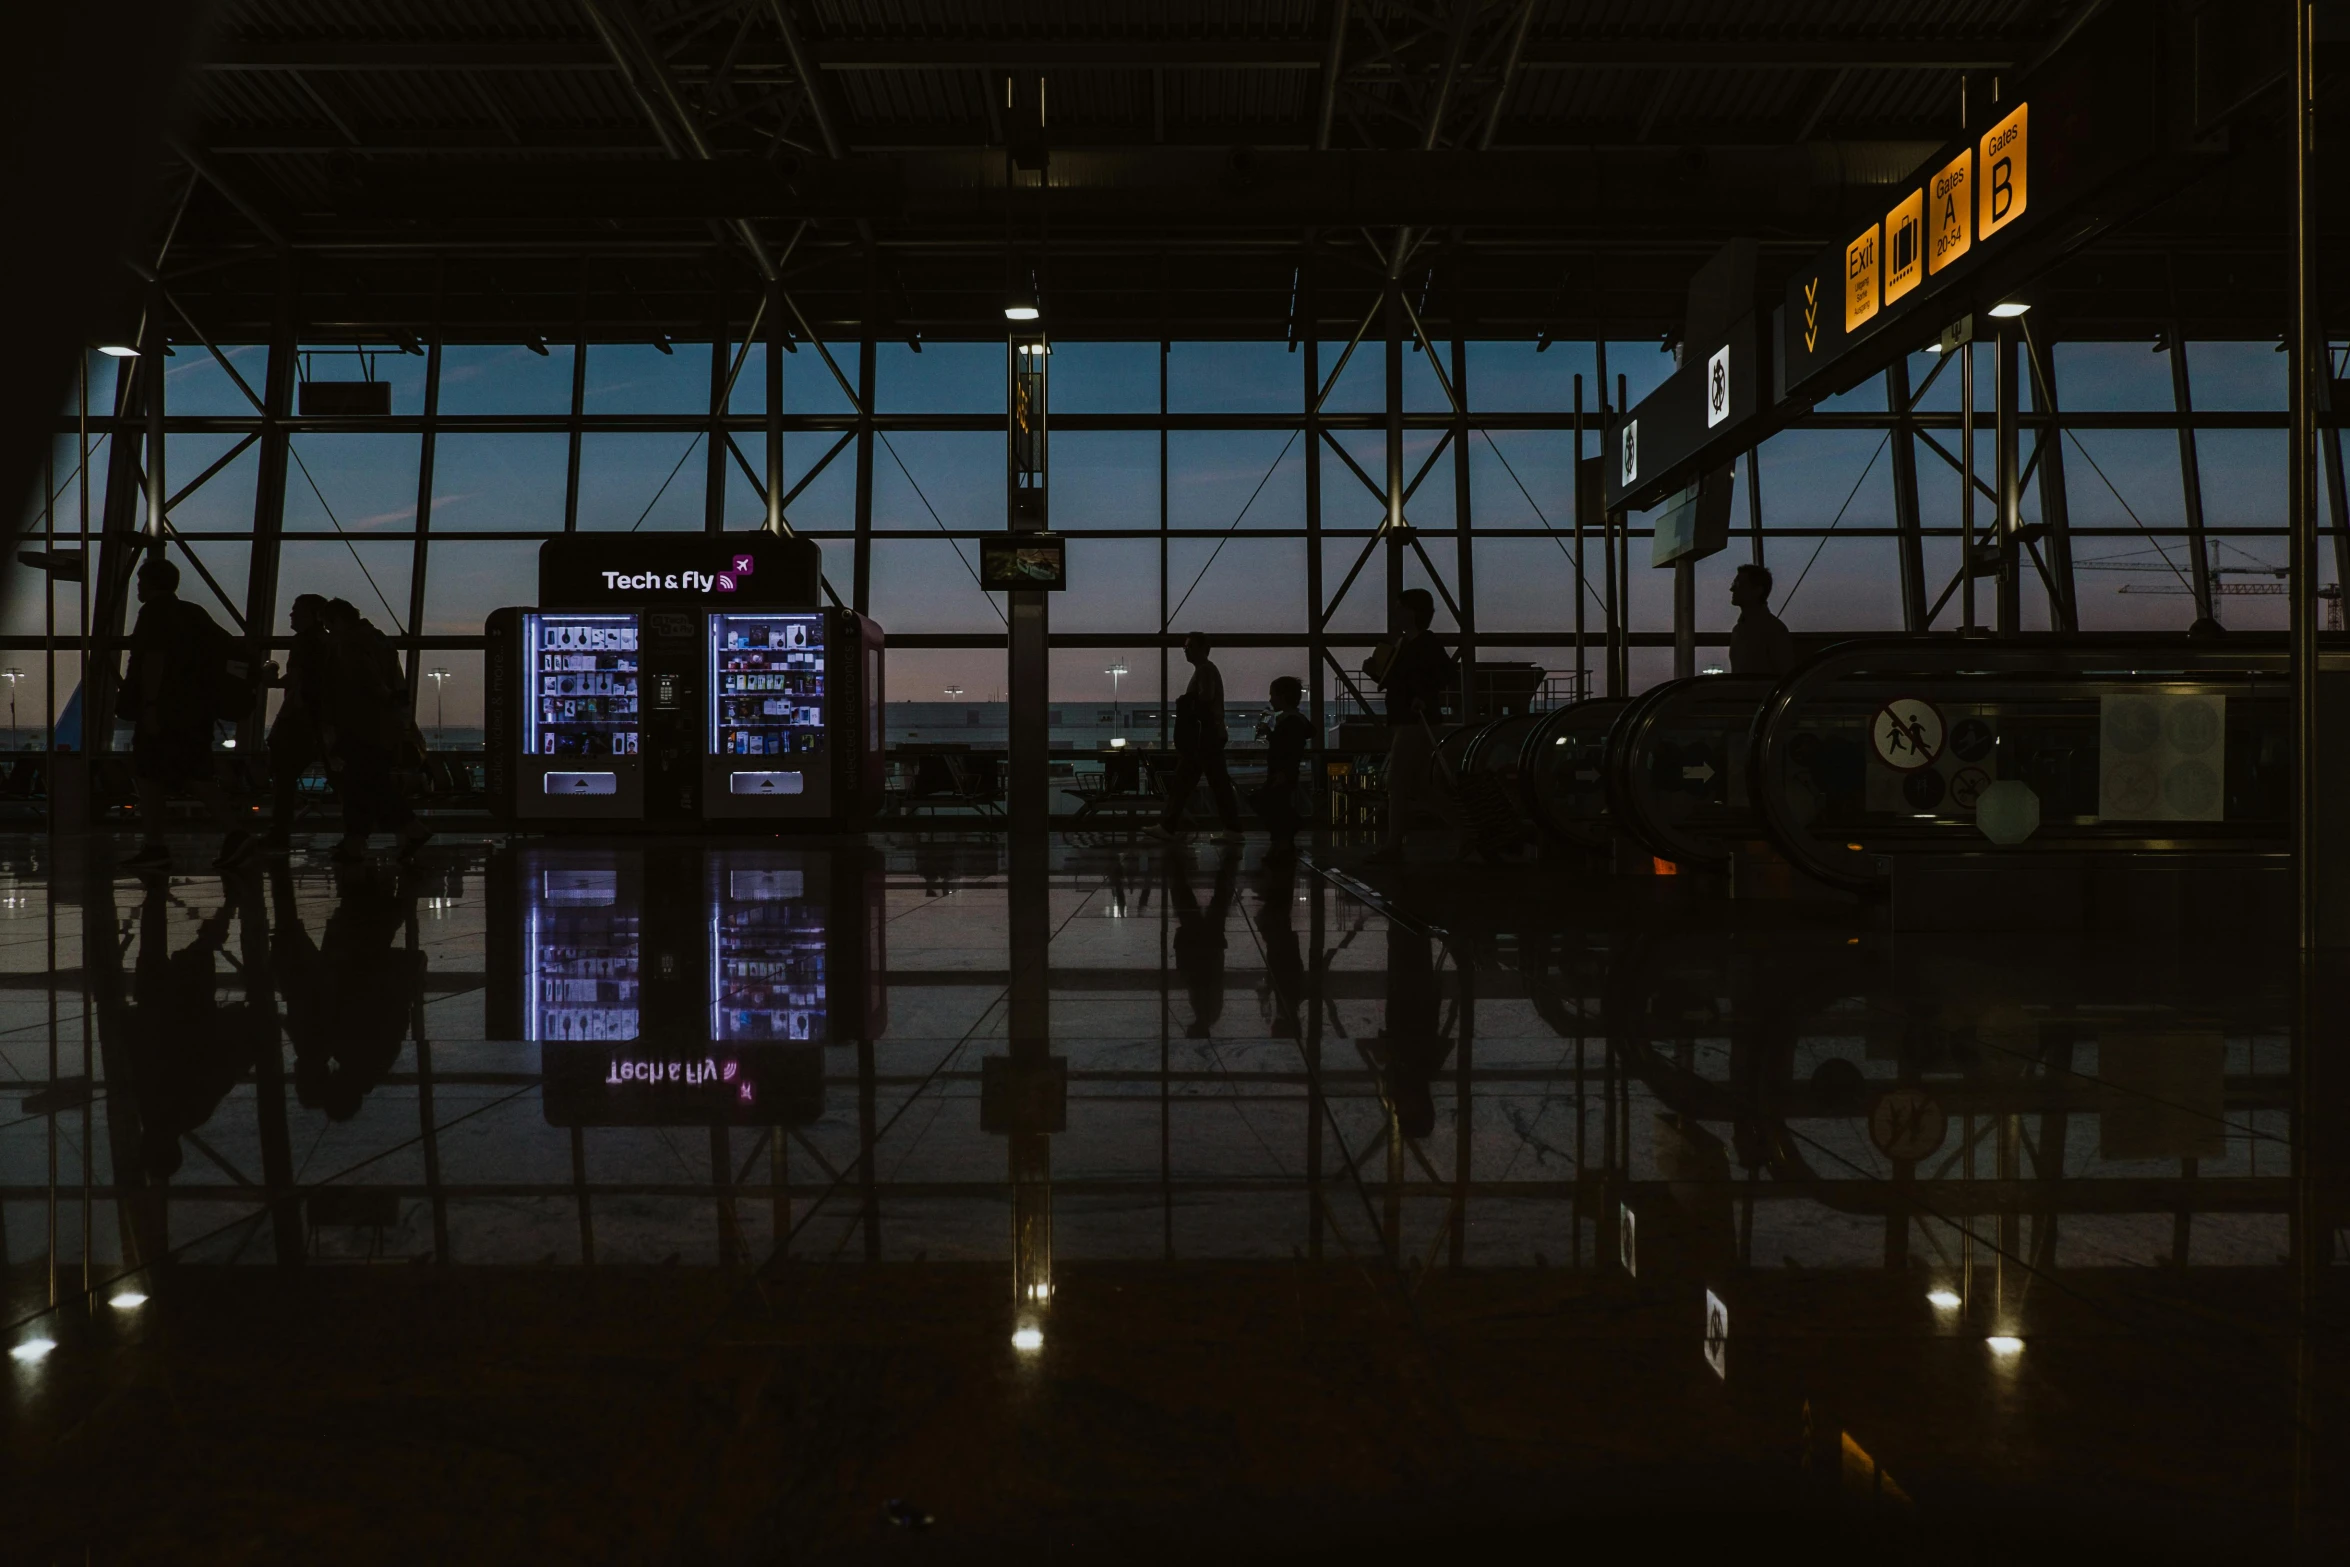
(360, 492)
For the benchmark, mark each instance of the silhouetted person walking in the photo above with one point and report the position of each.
(1760, 643)
(1414, 671)
(1199, 936)
(1411, 1049)
(1285, 969)
(178, 656)
(347, 997)
(1287, 736)
(187, 1049)
(1199, 744)
(293, 737)
(364, 728)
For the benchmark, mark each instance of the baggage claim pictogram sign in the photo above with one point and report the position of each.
(1949, 215)
(2083, 143)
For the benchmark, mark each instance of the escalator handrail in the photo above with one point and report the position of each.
(1529, 762)
(2259, 654)
(1623, 792)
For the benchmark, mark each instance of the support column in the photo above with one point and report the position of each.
(1318, 642)
(2055, 505)
(119, 547)
(2005, 443)
(1027, 502)
(1684, 618)
(714, 441)
(1582, 582)
(2306, 364)
(1166, 696)
(1623, 521)
(1464, 552)
(861, 593)
(774, 378)
(2337, 500)
(152, 349)
(1754, 526)
(424, 468)
(1909, 533)
(2190, 477)
(269, 484)
(1392, 322)
(579, 355)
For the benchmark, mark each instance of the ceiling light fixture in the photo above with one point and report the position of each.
(117, 351)
(2009, 309)
(1020, 301)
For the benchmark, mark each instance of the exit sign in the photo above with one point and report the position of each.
(1983, 215)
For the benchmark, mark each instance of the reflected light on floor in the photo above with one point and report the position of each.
(1028, 1340)
(33, 1349)
(2004, 1344)
(1944, 1300)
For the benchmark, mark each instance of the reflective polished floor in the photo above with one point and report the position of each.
(936, 1197)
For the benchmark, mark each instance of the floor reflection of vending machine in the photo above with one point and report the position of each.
(566, 706)
(768, 936)
(794, 713)
(581, 950)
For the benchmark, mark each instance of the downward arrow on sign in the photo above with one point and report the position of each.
(1811, 315)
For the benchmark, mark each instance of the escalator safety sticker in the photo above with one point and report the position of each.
(1907, 734)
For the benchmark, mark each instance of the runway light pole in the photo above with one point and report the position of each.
(12, 676)
(440, 696)
(1116, 672)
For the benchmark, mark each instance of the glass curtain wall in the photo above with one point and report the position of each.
(1230, 488)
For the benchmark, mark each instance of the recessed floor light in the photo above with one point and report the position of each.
(33, 1349)
(2004, 1344)
(1944, 1300)
(128, 1300)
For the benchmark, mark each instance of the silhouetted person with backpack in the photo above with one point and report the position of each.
(1415, 671)
(1199, 745)
(293, 738)
(179, 657)
(365, 728)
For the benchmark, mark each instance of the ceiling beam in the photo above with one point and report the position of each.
(992, 53)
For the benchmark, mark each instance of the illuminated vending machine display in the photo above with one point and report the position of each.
(768, 938)
(794, 715)
(567, 701)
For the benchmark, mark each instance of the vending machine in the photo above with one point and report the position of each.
(566, 705)
(794, 701)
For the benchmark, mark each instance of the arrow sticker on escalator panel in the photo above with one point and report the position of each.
(1811, 315)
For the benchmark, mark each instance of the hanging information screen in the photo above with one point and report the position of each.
(1024, 560)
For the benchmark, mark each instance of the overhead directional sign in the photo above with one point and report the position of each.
(1690, 422)
(1965, 222)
